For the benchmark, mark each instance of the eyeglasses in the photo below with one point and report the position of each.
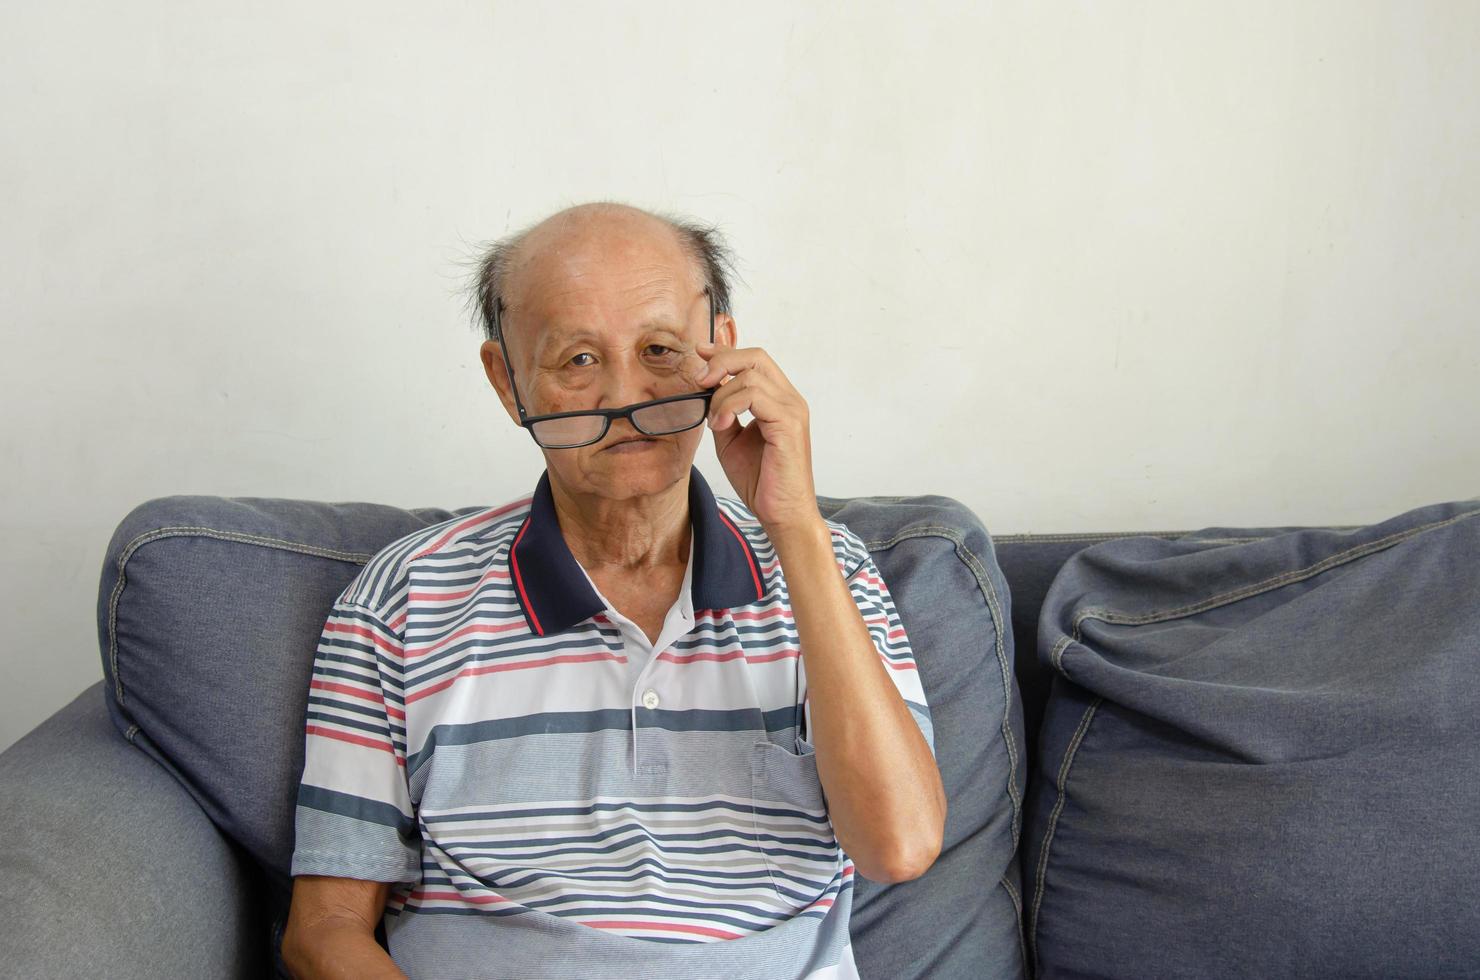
(571, 430)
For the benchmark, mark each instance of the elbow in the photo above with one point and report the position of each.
(904, 862)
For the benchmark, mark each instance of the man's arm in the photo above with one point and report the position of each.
(883, 787)
(331, 930)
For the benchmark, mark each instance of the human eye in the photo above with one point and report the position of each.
(574, 359)
(660, 351)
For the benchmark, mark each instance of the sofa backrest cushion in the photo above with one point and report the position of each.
(1258, 758)
(210, 610)
(209, 613)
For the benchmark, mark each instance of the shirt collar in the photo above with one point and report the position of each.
(555, 594)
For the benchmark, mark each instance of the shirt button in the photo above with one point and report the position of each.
(650, 698)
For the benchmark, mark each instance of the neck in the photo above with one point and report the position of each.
(634, 533)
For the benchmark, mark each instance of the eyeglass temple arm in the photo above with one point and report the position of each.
(498, 330)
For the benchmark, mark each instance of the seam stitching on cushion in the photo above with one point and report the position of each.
(1056, 657)
(1017, 908)
(882, 499)
(1110, 535)
(1053, 820)
(203, 532)
(994, 607)
(1088, 536)
(1282, 579)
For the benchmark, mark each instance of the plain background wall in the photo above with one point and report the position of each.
(1112, 266)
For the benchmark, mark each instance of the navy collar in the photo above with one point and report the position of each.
(554, 594)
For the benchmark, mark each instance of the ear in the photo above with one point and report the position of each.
(725, 332)
(498, 375)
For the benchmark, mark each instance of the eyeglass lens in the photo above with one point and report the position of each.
(653, 420)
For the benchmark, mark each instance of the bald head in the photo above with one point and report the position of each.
(581, 244)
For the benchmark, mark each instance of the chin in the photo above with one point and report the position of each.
(638, 474)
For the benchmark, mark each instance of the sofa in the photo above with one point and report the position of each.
(1160, 757)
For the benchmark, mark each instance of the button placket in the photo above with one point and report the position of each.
(644, 694)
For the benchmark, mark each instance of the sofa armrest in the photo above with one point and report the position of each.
(109, 868)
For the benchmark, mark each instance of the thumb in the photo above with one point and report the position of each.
(726, 427)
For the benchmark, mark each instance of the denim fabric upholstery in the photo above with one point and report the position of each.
(209, 611)
(210, 608)
(960, 919)
(1258, 757)
(108, 868)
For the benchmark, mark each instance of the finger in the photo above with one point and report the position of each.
(748, 393)
(733, 360)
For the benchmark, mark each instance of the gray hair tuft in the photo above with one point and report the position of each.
(704, 244)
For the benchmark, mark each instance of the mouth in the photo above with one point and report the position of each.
(629, 441)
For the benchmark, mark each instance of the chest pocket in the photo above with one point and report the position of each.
(792, 827)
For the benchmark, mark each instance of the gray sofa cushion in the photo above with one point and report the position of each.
(209, 612)
(1259, 758)
(210, 609)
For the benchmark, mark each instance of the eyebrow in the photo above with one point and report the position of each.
(555, 340)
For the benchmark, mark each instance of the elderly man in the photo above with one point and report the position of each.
(619, 727)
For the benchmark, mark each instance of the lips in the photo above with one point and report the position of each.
(623, 442)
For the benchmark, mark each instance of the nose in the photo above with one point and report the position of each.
(626, 382)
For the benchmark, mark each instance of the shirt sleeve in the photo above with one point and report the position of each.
(872, 597)
(354, 815)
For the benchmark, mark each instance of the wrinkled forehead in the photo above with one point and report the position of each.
(559, 318)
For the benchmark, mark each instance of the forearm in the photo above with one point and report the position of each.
(338, 950)
(883, 787)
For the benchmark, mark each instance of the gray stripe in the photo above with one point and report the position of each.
(608, 719)
(348, 805)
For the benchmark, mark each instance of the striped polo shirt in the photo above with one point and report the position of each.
(478, 734)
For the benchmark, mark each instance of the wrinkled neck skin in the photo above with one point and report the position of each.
(634, 534)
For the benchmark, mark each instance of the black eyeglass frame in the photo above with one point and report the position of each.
(607, 414)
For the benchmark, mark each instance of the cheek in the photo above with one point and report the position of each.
(552, 395)
(688, 442)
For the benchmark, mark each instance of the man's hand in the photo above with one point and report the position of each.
(768, 460)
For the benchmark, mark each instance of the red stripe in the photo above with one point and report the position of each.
(893, 633)
(365, 631)
(565, 658)
(475, 519)
(492, 573)
(446, 640)
(760, 658)
(354, 739)
(754, 658)
(754, 575)
(370, 696)
(347, 689)
(759, 616)
(663, 926)
(422, 894)
(519, 579)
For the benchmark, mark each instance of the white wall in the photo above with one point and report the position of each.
(1113, 266)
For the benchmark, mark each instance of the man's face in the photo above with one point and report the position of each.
(602, 317)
